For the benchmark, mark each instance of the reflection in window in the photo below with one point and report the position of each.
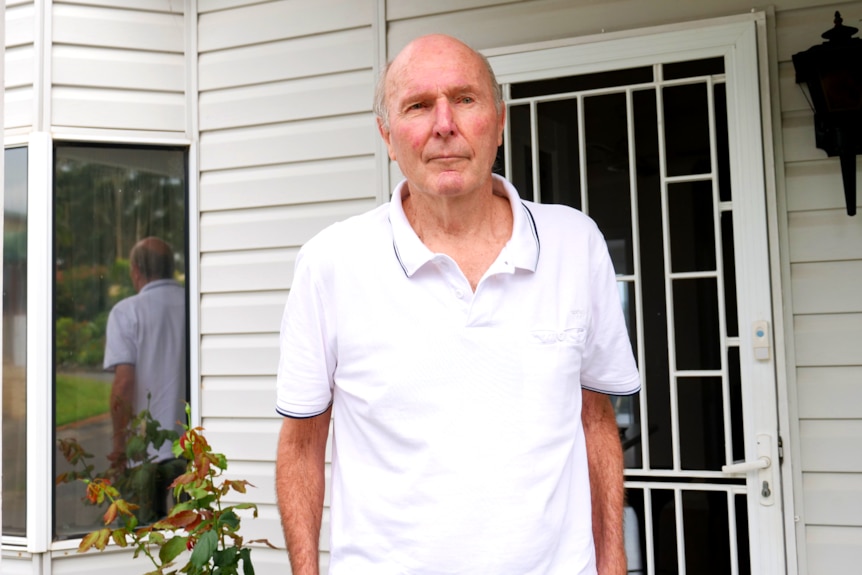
(15, 342)
(120, 318)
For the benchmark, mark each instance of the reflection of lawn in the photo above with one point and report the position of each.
(79, 398)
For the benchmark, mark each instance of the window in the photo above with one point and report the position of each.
(15, 343)
(107, 199)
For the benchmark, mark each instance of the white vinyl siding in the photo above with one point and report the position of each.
(286, 148)
(118, 66)
(824, 252)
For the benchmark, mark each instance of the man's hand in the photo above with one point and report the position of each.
(605, 459)
(300, 484)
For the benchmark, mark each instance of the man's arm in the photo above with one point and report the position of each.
(122, 395)
(300, 483)
(605, 458)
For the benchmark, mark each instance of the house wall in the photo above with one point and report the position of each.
(287, 145)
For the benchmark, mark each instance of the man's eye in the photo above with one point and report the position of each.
(467, 100)
(416, 106)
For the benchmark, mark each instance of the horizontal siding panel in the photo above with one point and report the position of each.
(20, 67)
(244, 439)
(18, 108)
(118, 69)
(216, 5)
(793, 99)
(800, 24)
(824, 236)
(255, 354)
(20, 27)
(17, 562)
(827, 287)
(109, 562)
(113, 28)
(325, 181)
(335, 95)
(833, 549)
(248, 397)
(295, 142)
(402, 9)
(797, 136)
(831, 446)
(260, 474)
(829, 392)
(247, 271)
(828, 340)
(242, 312)
(149, 5)
(284, 60)
(833, 499)
(817, 185)
(280, 20)
(272, 227)
(117, 109)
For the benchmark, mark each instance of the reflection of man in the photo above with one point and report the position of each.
(462, 341)
(146, 350)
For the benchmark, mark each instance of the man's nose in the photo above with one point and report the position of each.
(444, 118)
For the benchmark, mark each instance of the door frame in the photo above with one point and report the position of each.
(742, 40)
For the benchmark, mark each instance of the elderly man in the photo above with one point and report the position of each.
(462, 341)
(146, 349)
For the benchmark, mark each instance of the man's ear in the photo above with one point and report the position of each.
(384, 133)
(502, 125)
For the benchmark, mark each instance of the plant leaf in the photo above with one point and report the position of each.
(247, 567)
(204, 549)
(88, 541)
(172, 548)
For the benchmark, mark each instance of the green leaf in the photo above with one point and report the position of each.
(230, 519)
(172, 548)
(204, 549)
(225, 557)
(247, 567)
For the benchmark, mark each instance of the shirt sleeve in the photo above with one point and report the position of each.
(120, 341)
(608, 363)
(307, 342)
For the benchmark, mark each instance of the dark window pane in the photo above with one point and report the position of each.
(707, 535)
(692, 227)
(15, 343)
(559, 165)
(608, 180)
(701, 423)
(693, 68)
(722, 147)
(729, 262)
(695, 309)
(582, 82)
(522, 151)
(735, 385)
(742, 541)
(106, 200)
(686, 117)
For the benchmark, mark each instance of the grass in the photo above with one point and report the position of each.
(78, 398)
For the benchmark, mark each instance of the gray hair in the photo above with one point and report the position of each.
(381, 108)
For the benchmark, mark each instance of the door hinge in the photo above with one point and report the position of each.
(780, 450)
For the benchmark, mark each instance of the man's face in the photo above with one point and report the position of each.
(444, 128)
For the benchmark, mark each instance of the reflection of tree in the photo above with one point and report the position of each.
(106, 199)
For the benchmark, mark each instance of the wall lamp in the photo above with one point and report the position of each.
(833, 72)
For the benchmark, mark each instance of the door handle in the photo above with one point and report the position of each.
(762, 464)
(746, 466)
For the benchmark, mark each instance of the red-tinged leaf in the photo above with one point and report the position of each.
(177, 520)
(183, 479)
(102, 539)
(88, 541)
(111, 513)
(119, 537)
(125, 507)
(61, 478)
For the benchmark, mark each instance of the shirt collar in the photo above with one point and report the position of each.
(521, 251)
(157, 284)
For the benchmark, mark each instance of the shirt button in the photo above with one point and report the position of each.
(561, 336)
(459, 294)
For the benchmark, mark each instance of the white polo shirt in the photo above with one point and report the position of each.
(148, 330)
(458, 445)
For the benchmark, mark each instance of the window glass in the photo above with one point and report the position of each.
(15, 342)
(120, 323)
